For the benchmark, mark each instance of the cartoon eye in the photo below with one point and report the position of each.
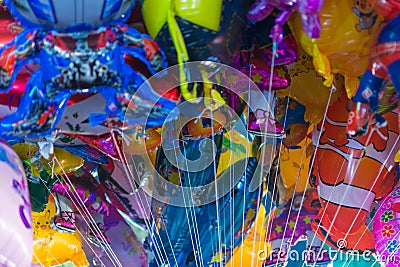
(38, 223)
(47, 222)
(103, 69)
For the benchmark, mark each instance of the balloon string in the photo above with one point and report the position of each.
(275, 176)
(247, 149)
(372, 186)
(277, 169)
(82, 209)
(358, 162)
(138, 196)
(265, 135)
(216, 186)
(195, 245)
(83, 237)
(308, 177)
(294, 191)
(140, 202)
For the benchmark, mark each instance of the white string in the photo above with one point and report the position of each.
(140, 202)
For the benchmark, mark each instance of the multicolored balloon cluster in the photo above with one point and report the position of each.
(286, 132)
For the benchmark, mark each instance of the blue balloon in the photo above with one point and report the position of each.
(79, 50)
(184, 236)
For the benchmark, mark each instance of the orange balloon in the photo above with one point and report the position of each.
(52, 247)
(345, 40)
(140, 144)
(307, 87)
(253, 249)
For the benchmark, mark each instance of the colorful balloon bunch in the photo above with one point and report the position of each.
(275, 127)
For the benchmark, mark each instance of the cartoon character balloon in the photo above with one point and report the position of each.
(81, 48)
(306, 86)
(386, 229)
(350, 174)
(15, 213)
(345, 40)
(52, 247)
(384, 65)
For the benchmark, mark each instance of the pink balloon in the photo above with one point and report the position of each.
(16, 236)
(386, 229)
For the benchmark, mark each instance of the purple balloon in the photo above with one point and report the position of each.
(16, 236)
(123, 242)
(308, 10)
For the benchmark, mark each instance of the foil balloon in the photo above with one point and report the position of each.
(254, 246)
(151, 138)
(345, 40)
(15, 217)
(290, 114)
(43, 170)
(111, 144)
(52, 247)
(257, 33)
(128, 249)
(84, 194)
(382, 67)
(306, 86)
(52, 42)
(294, 167)
(195, 30)
(282, 231)
(8, 27)
(256, 57)
(172, 222)
(350, 174)
(234, 149)
(386, 229)
(68, 162)
(253, 64)
(308, 11)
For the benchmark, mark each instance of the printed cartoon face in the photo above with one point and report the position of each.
(363, 6)
(41, 221)
(63, 15)
(303, 65)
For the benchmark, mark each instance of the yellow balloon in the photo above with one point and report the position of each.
(307, 88)
(345, 40)
(52, 247)
(253, 249)
(294, 165)
(155, 13)
(68, 162)
(235, 146)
